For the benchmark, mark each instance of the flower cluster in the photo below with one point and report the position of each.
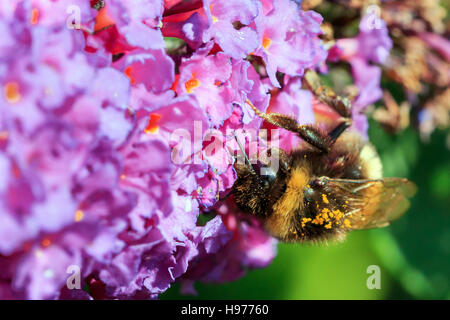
(92, 93)
(419, 63)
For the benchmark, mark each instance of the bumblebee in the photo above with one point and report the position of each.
(326, 189)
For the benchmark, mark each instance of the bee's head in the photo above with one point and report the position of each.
(255, 187)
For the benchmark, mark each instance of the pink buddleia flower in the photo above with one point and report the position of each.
(221, 16)
(372, 44)
(227, 250)
(147, 264)
(41, 271)
(137, 21)
(288, 40)
(294, 101)
(367, 79)
(59, 162)
(439, 43)
(126, 13)
(190, 30)
(134, 34)
(153, 68)
(245, 84)
(113, 149)
(57, 13)
(203, 77)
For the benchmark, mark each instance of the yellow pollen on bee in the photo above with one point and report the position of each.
(152, 126)
(266, 42)
(305, 221)
(325, 199)
(347, 223)
(12, 92)
(326, 216)
(192, 83)
(79, 215)
(318, 220)
(338, 214)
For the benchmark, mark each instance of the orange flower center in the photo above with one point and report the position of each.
(4, 135)
(46, 242)
(266, 42)
(11, 91)
(191, 84)
(127, 72)
(79, 215)
(214, 18)
(152, 126)
(34, 16)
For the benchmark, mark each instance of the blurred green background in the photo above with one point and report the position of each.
(413, 253)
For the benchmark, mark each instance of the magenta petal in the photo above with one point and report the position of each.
(221, 16)
(439, 43)
(209, 72)
(153, 68)
(140, 35)
(112, 86)
(367, 79)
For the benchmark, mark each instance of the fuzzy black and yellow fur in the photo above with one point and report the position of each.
(323, 190)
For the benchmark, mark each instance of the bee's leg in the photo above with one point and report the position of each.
(340, 128)
(249, 164)
(309, 133)
(341, 105)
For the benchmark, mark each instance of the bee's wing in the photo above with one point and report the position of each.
(374, 203)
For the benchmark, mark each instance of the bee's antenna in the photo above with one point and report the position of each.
(243, 151)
